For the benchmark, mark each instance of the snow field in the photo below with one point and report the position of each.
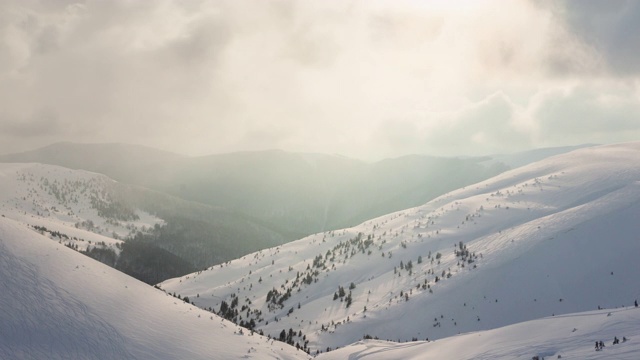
(540, 238)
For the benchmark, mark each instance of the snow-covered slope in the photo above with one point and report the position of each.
(570, 336)
(92, 213)
(553, 237)
(59, 304)
(75, 207)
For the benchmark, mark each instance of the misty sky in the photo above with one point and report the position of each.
(366, 79)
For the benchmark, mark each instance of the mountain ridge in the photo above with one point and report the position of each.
(64, 305)
(298, 193)
(539, 225)
(85, 209)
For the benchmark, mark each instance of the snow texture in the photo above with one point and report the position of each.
(565, 337)
(554, 237)
(59, 304)
(510, 268)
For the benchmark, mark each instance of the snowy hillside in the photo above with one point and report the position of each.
(92, 213)
(295, 194)
(554, 237)
(77, 208)
(59, 304)
(561, 337)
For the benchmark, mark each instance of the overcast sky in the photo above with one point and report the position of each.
(366, 79)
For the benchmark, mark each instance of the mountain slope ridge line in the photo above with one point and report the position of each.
(476, 244)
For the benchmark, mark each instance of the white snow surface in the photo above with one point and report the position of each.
(60, 200)
(56, 303)
(571, 336)
(555, 237)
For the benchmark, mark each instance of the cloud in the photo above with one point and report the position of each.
(588, 114)
(609, 28)
(489, 126)
(38, 125)
(369, 79)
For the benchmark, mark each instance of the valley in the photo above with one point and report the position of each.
(526, 244)
(530, 246)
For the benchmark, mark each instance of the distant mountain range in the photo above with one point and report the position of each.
(295, 194)
(219, 207)
(165, 236)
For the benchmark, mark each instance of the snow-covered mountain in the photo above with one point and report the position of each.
(59, 304)
(92, 213)
(80, 208)
(519, 159)
(554, 237)
(295, 194)
(571, 336)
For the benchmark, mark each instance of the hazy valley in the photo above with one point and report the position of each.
(288, 180)
(555, 237)
(552, 238)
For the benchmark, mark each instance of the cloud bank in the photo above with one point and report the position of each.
(368, 79)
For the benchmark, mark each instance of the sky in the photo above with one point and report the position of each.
(366, 79)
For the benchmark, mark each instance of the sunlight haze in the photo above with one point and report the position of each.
(365, 79)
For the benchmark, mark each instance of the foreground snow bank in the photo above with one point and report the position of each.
(59, 304)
